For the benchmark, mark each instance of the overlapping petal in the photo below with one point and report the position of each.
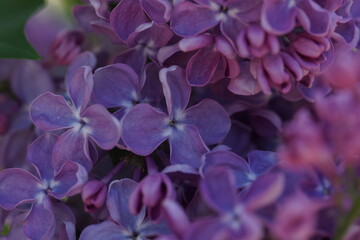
(103, 231)
(80, 88)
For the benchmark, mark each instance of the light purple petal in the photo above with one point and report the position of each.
(144, 128)
(115, 85)
(69, 180)
(190, 19)
(278, 16)
(158, 10)
(244, 84)
(151, 35)
(17, 186)
(134, 57)
(242, 172)
(118, 204)
(40, 223)
(186, 146)
(175, 217)
(261, 161)
(218, 190)
(194, 43)
(84, 59)
(71, 146)
(101, 8)
(80, 88)
(40, 153)
(51, 112)
(103, 231)
(151, 91)
(126, 17)
(176, 90)
(30, 80)
(210, 118)
(103, 127)
(202, 66)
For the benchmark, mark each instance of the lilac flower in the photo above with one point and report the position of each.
(187, 130)
(128, 15)
(94, 195)
(124, 225)
(18, 186)
(52, 112)
(280, 17)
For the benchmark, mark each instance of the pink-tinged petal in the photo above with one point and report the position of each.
(176, 90)
(190, 19)
(243, 174)
(72, 146)
(105, 230)
(84, 59)
(258, 72)
(186, 146)
(313, 18)
(175, 217)
(158, 10)
(69, 180)
(103, 127)
(224, 47)
(28, 88)
(319, 89)
(292, 65)
(51, 112)
(347, 33)
(144, 128)
(118, 204)
(230, 28)
(80, 87)
(210, 118)
(202, 66)
(134, 57)
(265, 190)
(17, 186)
(115, 85)
(126, 17)
(218, 190)
(194, 43)
(278, 16)
(244, 84)
(40, 223)
(40, 153)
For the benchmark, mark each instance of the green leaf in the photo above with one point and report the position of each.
(13, 16)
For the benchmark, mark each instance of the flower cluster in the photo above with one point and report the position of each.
(183, 120)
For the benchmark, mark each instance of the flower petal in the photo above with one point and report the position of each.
(80, 88)
(144, 128)
(158, 10)
(17, 186)
(105, 230)
(51, 112)
(84, 59)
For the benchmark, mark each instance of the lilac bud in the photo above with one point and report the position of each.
(151, 192)
(94, 195)
(67, 46)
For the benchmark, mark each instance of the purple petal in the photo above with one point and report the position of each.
(175, 217)
(84, 15)
(186, 146)
(190, 19)
(51, 112)
(105, 230)
(242, 172)
(265, 123)
(80, 88)
(194, 43)
(17, 186)
(28, 88)
(40, 153)
(69, 180)
(84, 59)
(176, 89)
(40, 223)
(115, 85)
(104, 128)
(118, 204)
(202, 66)
(151, 91)
(151, 35)
(278, 16)
(265, 190)
(231, 28)
(144, 128)
(218, 190)
(101, 8)
(158, 10)
(244, 84)
(71, 146)
(210, 118)
(134, 57)
(314, 19)
(261, 161)
(126, 17)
